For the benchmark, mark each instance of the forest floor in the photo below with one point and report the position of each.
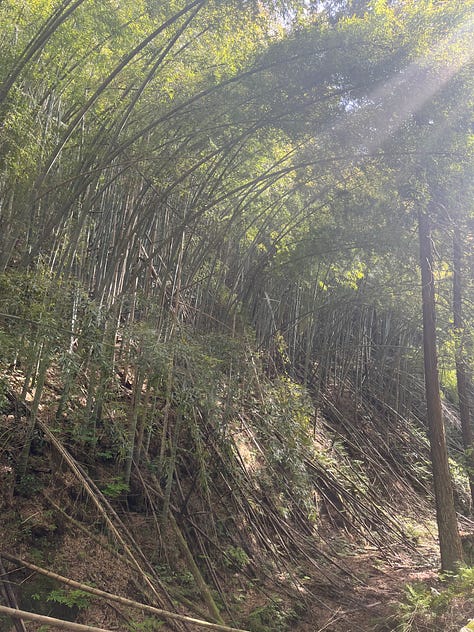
(368, 601)
(377, 597)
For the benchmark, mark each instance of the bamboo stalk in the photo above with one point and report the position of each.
(125, 560)
(9, 596)
(94, 495)
(122, 600)
(58, 623)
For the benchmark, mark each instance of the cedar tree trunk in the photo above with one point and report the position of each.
(449, 540)
(462, 374)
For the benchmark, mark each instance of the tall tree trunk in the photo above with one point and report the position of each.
(449, 540)
(462, 374)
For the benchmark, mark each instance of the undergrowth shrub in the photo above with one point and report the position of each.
(426, 608)
(78, 598)
(271, 617)
(283, 423)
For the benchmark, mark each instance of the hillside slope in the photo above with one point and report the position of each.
(273, 513)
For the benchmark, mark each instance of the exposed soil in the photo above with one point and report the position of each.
(374, 600)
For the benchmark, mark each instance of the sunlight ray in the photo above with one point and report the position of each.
(405, 94)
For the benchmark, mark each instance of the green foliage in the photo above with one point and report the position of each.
(272, 617)
(424, 606)
(236, 557)
(449, 385)
(419, 601)
(115, 488)
(147, 625)
(285, 415)
(180, 577)
(37, 555)
(71, 598)
(4, 402)
(28, 485)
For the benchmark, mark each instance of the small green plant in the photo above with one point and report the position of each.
(116, 488)
(416, 532)
(147, 625)
(71, 598)
(418, 604)
(272, 617)
(106, 455)
(183, 578)
(28, 485)
(425, 606)
(37, 555)
(236, 557)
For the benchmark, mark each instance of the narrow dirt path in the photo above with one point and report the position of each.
(375, 600)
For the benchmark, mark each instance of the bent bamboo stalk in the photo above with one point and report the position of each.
(123, 600)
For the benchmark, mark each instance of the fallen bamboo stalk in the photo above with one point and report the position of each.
(94, 496)
(58, 623)
(123, 600)
(125, 560)
(88, 487)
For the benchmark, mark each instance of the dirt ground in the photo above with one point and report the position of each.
(374, 600)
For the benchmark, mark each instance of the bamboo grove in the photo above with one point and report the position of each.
(208, 225)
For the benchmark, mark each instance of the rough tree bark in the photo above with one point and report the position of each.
(449, 540)
(462, 373)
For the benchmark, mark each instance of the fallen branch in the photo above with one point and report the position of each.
(184, 601)
(98, 499)
(123, 600)
(58, 623)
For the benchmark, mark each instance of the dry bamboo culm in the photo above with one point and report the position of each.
(57, 623)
